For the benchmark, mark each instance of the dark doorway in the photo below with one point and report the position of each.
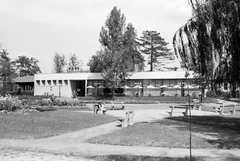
(78, 86)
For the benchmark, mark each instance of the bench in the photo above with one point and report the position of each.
(185, 113)
(128, 120)
(117, 104)
(197, 105)
(221, 106)
(97, 109)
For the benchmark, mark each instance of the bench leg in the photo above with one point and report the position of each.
(171, 112)
(125, 121)
(186, 112)
(200, 107)
(131, 117)
(233, 110)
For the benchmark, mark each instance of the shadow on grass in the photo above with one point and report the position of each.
(224, 130)
(148, 158)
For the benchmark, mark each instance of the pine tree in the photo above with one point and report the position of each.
(154, 46)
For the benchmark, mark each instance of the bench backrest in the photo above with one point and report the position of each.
(131, 117)
(125, 121)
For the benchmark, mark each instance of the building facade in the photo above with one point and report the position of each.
(172, 83)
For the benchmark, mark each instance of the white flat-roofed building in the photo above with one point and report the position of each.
(138, 83)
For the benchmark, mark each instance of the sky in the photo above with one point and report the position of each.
(40, 28)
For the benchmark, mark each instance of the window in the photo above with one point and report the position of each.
(158, 83)
(166, 82)
(172, 82)
(60, 82)
(152, 82)
(43, 82)
(54, 82)
(89, 83)
(38, 82)
(145, 82)
(132, 83)
(66, 82)
(96, 83)
(49, 82)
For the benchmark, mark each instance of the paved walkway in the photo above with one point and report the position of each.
(73, 143)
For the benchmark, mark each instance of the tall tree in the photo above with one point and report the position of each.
(7, 73)
(154, 46)
(59, 63)
(26, 67)
(111, 38)
(208, 42)
(131, 47)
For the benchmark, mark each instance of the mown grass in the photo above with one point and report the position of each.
(174, 133)
(149, 158)
(155, 134)
(45, 124)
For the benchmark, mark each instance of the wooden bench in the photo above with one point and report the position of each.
(128, 120)
(117, 104)
(197, 105)
(221, 106)
(97, 109)
(185, 113)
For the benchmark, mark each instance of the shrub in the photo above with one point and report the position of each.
(10, 103)
(50, 96)
(74, 94)
(45, 108)
(211, 94)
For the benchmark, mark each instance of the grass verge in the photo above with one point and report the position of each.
(46, 124)
(148, 158)
(208, 132)
(155, 134)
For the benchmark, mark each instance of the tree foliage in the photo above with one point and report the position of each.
(119, 50)
(7, 73)
(154, 46)
(131, 47)
(96, 63)
(73, 61)
(209, 42)
(59, 62)
(111, 37)
(25, 66)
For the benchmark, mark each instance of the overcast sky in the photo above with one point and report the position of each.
(40, 28)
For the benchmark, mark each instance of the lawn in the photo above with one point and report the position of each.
(175, 133)
(155, 134)
(148, 158)
(45, 124)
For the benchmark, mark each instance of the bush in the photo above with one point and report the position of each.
(49, 96)
(226, 95)
(211, 94)
(45, 108)
(10, 103)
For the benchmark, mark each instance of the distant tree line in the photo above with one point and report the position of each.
(60, 62)
(22, 66)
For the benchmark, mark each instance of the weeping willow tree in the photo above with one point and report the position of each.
(209, 42)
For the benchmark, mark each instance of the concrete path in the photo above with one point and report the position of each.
(73, 143)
